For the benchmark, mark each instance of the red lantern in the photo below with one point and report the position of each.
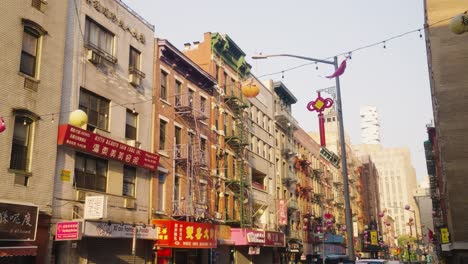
(381, 214)
(2, 125)
(328, 215)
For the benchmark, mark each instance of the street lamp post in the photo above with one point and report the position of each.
(348, 216)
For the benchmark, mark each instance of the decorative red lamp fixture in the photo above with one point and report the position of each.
(319, 105)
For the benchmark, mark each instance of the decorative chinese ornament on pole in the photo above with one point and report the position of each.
(319, 105)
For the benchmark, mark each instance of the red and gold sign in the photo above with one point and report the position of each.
(179, 234)
(86, 141)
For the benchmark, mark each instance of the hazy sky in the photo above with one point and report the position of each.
(394, 79)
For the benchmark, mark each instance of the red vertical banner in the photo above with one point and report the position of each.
(282, 212)
(322, 130)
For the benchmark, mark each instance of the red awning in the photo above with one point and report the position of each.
(18, 251)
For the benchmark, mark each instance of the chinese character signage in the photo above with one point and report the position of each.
(282, 213)
(112, 230)
(274, 239)
(95, 207)
(247, 236)
(68, 230)
(444, 235)
(86, 141)
(180, 234)
(373, 238)
(330, 157)
(18, 222)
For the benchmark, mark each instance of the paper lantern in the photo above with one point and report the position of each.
(381, 214)
(459, 24)
(250, 90)
(2, 125)
(343, 228)
(78, 118)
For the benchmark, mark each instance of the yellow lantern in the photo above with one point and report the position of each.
(250, 90)
(78, 118)
(459, 24)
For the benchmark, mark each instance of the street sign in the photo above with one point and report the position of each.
(330, 156)
(444, 234)
(95, 207)
(70, 230)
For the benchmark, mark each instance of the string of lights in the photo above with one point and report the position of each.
(350, 52)
(282, 72)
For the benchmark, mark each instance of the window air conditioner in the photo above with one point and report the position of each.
(134, 79)
(218, 215)
(129, 203)
(80, 195)
(94, 57)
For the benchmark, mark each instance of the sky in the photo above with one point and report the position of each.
(394, 79)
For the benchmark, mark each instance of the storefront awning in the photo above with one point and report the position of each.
(18, 251)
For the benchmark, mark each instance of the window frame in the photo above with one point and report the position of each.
(128, 126)
(25, 164)
(102, 116)
(108, 54)
(29, 31)
(164, 85)
(161, 205)
(86, 174)
(129, 181)
(163, 124)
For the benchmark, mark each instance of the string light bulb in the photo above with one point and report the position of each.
(282, 75)
(24, 122)
(384, 45)
(349, 55)
(52, 119)
(133, 110)
(316, 66)
(420, 34)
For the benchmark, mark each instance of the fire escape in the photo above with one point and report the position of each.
(191, 158)
(238, 183)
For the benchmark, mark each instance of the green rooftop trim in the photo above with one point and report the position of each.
(230, 53)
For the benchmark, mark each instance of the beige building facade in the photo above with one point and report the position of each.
(108, 74)
(31, 69)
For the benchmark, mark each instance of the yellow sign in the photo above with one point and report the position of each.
(65, 175)
(444, 234)
(374, 238)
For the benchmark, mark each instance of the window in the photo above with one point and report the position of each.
(203, 104)
(225, 122)
(29, 52)
(129, 177)
(134, 59)
(163, 85)
(178, 92)
(203, 193)
(191, 96)
(99, 38)
(131, 125)
(178, 141)
(20, 151)
(203, 150)
(216, 117)
(176, 193)
(97, 109)
(90, 172)
(161, 192)
(162, 134)
(225, 82)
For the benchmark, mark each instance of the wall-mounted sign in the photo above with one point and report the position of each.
(254, 250)
(70, 230)
(95, 207)
(247, 236)
(179, 234)
(18, 222)
(65, 175)
(330, 157)
(104, 229)
(374, 238)
(282, 213)
(86, 141)
(274, 239)
(293, 247)
(444, 235)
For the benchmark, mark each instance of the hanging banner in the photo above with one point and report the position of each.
(282, 213)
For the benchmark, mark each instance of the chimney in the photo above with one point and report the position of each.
(186, 46)
(195, 44)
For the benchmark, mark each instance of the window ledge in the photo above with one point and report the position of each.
(165, 101)
(163, 153)
(20, 172)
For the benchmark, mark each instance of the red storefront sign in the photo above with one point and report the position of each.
(179, 234)
(282, 213)
(86, 141)
(247, 236)
(68, 231)
(274, 239)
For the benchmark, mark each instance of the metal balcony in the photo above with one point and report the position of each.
(293, 204)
